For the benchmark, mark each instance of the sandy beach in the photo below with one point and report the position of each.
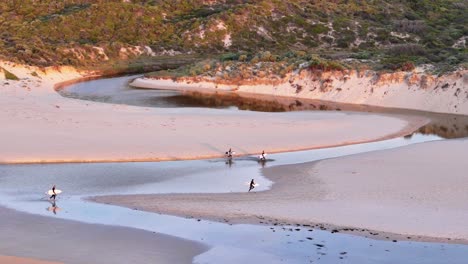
(377, 191)
(397, 191)
(46, 127)
(30, 237)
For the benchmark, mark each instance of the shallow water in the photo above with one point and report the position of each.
(229, 243)
(251, 243)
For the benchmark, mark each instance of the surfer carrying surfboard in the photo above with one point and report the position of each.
(229, 153)
(53, 193)
(252, 185)
(262, 157)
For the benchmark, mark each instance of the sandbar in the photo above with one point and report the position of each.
(398, 191)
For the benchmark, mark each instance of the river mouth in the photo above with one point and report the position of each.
(241, 242)
(118, 91)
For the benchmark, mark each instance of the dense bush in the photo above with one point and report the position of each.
(50, 32)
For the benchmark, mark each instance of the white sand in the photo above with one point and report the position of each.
(418, 190)
(408, 90)
(42, 126)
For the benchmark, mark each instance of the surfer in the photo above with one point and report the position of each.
(262, 157)
(53, 193)
(229, 153)
(252, 185)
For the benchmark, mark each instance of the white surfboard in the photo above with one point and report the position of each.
(50, 192)
(260, 156)
(255, 184)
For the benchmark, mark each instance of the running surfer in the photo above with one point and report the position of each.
(252, 185)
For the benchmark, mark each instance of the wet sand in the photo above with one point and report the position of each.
(17, 260)
(46, 238)
(396, 191)
(265, 243)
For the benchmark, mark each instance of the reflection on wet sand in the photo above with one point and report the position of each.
(53, 208)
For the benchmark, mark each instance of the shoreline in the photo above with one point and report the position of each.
(317, 195)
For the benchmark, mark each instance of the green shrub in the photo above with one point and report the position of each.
(230, 56)
(9, 75)
(364, 55)
(398, 63)
(320, 64)
(318, 29)
(42, 33)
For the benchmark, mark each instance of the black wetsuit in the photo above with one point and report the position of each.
(252, 185)
(53, 195)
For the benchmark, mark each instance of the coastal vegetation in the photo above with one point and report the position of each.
(9, 75)
(383, 34)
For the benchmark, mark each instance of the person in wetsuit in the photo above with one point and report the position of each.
(53, 193)
(252, 185)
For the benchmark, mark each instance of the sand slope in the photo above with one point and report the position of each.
(398, 191)
(410, 90)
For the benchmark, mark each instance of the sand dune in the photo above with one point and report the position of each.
(407, 90)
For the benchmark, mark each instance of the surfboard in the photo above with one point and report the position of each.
(260, 156)
(50, 192)
(255, 184)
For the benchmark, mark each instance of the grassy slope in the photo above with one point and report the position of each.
(389, 33)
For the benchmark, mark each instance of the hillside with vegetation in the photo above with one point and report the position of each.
(381, 34)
